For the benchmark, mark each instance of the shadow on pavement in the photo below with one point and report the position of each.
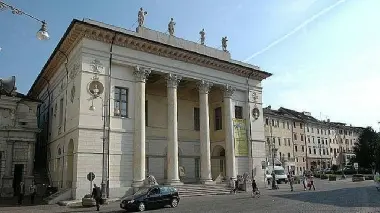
(348, 197)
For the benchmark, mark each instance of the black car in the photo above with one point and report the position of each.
(151, 197)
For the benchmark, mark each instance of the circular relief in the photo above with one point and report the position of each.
(95, 88)
(255, 113)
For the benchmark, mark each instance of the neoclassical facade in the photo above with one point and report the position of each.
(18, 131)
(125, 104)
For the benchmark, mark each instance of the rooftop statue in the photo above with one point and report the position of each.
(141, 17)
(171, 26)
(203, 38)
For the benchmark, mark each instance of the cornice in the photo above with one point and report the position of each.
(79, 29)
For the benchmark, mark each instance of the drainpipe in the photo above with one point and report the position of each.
(249, 127)
(306, 149)
(107, 122)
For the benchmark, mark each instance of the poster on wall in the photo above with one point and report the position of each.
(240, 137)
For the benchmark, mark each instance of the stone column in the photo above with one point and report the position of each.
(9, 162)
(204, 133)
(172, 152)
(30, 158)
(229, 131)
(141, 75)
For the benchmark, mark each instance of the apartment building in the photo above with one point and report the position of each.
(311, 143)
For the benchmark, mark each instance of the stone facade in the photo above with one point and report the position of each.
(18, 129)
(170, 110)
(316, 144)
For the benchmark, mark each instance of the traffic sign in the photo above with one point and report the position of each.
(90, 176)
(356, 166)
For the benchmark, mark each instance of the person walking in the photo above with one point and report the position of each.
(21, 192)
(304, 181)
(97, 195)
(33, 192)
(255, 190)
(291, 181)
(311, 182)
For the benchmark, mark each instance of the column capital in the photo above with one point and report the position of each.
(172, 80)
(204, 86)
(141, 74)
(228, 91)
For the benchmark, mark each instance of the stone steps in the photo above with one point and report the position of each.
(192, 190)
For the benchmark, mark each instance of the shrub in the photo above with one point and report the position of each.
(332, 178)
(369, 177)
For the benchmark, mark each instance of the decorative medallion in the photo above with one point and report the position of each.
(72, 94)
(255, 113)
(95, 88)
(96, 66)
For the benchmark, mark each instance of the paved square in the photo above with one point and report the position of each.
(340, 196)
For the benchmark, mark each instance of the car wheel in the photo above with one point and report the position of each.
(174, 203)
(141, 207)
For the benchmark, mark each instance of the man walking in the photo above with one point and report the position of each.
(97, 195)
(291, 180)
(21, 192)
(33, 192)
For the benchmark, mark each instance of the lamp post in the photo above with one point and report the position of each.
(320, 153)
(42, 33)
(272, 144)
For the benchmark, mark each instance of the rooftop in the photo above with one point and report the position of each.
(151, 41)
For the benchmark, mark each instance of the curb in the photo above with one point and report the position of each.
(70, 203)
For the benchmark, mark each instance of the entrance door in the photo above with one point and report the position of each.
(197, 167)
(17, 175)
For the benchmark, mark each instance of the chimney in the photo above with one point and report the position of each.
(307, 113)
(269, 107)
(328, 120)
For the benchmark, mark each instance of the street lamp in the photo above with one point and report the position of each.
(42, 34)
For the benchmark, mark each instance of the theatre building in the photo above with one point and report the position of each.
(123, 104)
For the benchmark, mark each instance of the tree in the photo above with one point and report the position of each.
(367, 148)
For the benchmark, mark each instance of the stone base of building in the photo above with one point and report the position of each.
(7, 186)
(174, 183)
(208, 182)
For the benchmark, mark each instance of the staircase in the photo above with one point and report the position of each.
(192, 190)
(64, 194)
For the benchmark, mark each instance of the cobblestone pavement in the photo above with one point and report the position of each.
(340, 196)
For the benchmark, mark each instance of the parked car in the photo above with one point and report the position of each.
(151, 197)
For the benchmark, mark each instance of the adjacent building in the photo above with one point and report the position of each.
(123, 104)
(314, 144)
(18, 131)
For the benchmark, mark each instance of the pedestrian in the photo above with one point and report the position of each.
(304, 181)
(291, 181)
(33, 192)
(311, 182)
(21, 192)
(97, 195)
(255, 190)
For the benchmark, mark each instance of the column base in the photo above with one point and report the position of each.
(173, 183)
(208, 182)
(139, 183)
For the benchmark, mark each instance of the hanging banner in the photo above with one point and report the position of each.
(240, 137)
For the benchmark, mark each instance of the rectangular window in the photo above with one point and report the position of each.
(121, 102)
(294, 124)
(296, 148)
(301, 126)
(287, 124)
(309, 150)
(289, 142)
(303, 148)
(301, 137)
(279, 141)
(266, 121)
(315, 151)
(218, 118)
(295, 136)
(238, 112)
(197, 125)
(60, 112)
(283, 124)
(285, 141)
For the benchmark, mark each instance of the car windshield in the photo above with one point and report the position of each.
(142, 191)
(279, 172)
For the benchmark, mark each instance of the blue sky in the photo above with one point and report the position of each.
(328, 67)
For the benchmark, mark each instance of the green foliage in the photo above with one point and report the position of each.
(367, 148)
(332, 177)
